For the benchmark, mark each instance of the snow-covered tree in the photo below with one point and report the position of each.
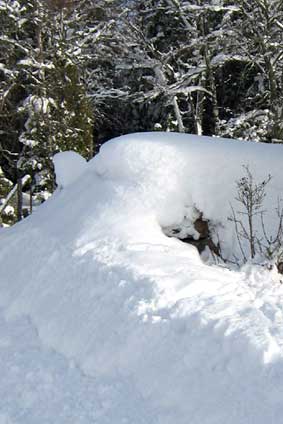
(254, 81)
(58, 114)
(167, 57)
(44, 107)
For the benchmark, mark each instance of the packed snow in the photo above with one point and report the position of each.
(105, 319)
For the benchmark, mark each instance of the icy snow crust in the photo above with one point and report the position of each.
(99, 298)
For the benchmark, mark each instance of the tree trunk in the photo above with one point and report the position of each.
(19, 199)
(30, 197)
(181, 127)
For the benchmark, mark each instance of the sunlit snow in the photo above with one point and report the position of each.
(105, 319)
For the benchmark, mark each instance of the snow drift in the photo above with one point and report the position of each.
(176, 340)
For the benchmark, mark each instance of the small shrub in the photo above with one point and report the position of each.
(250, 223)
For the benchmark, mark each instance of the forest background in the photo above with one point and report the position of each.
(74, 74)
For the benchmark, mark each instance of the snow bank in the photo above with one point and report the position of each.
(104, 287)
(176, 174)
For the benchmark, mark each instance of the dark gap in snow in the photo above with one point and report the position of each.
(196, 233)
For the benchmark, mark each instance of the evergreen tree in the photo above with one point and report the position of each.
(44, 107)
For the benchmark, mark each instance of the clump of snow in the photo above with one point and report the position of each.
(9, 210)
(138, 311)
(68, 167)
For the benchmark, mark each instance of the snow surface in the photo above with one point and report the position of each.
(104, 319)
(69, 166)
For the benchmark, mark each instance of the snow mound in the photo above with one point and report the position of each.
(68, 167)
(138, 311)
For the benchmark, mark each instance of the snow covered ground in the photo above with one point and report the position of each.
(106, 320)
